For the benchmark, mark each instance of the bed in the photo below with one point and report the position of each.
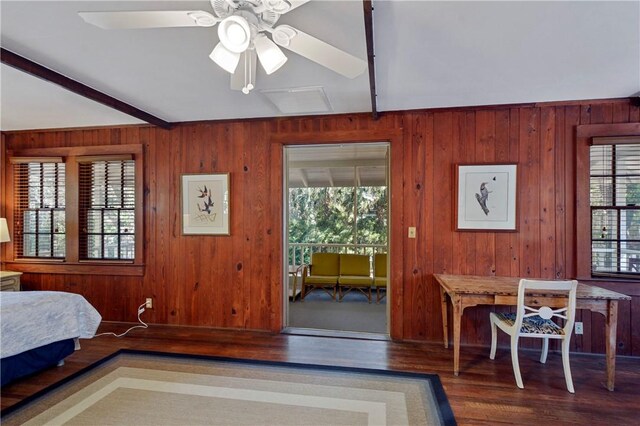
(38, 329)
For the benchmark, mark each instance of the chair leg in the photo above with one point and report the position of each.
(514, 361)
(566, 366)
(494, 340)
(545, 350)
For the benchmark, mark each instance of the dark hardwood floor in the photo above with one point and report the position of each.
(484, 393)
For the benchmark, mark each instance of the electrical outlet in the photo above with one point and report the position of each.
(148, 303)
(579, 329)
(412, 232)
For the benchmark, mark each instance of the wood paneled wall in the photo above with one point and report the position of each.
(234, 281)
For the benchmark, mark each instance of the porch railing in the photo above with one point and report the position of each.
(300, 253)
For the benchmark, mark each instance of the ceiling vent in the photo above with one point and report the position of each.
(301, 100)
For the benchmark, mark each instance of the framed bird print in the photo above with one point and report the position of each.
(205, 204)
(486, 198)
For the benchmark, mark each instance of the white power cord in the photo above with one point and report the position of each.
(141, 309)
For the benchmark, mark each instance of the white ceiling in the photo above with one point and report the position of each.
(427, 54)
(361, 164)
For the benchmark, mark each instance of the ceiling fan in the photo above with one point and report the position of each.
(243, 26)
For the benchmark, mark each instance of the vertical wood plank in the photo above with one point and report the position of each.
(464, 243)
(234, 296)
(547, 192)
(620, 112)
(635, 330)
(503, 254)
(274, 237)
(529, 216)
(572, 119)
(514, 157)
(443, 192)
(397, 174)
(560, 195)
(414, 197)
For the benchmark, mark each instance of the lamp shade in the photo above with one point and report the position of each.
(270, 55)
(235, 33)
(225, 58)
(4, 231)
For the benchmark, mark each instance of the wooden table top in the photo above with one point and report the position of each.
(508, 286)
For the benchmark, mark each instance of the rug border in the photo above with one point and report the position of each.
(441, 400)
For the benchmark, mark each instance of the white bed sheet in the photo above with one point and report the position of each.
(29, 319)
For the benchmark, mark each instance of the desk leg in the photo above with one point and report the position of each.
(456, 300)
(610, 338)
(445, 325)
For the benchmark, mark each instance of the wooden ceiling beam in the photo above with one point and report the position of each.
(368, 29)
(25, 65)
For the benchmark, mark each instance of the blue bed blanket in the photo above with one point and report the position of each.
(29, 319)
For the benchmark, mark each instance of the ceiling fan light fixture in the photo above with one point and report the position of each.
(278, 6)
(226, 59)
(283, 34)
(234, 33)
(202, 19)
(270, 55)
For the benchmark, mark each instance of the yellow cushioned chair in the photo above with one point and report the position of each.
(380, 275)
(322, 273)
(355, 274)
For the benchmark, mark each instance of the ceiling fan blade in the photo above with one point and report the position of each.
(149, 19)
(318, 51)
(245, 72)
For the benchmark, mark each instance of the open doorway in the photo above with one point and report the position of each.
(336, 239)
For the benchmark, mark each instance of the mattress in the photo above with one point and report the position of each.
(31, 319)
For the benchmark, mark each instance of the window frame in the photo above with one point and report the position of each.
(72, 264)
(85, 205)
(586, 136)
(25, 206)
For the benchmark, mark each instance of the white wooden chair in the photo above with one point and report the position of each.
(536, 322)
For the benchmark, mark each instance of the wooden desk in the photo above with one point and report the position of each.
(468, 290)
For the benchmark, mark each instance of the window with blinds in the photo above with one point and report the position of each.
(39, 208)
(615, 208)
(107, 192)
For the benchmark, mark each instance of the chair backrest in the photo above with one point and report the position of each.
(355, 264)
(565, 308)
(380, 265)
(325, 264)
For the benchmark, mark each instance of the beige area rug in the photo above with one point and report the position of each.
(144, 388)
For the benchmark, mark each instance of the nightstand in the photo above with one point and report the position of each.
(10, 281)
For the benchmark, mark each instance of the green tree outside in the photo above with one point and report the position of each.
(327, 216)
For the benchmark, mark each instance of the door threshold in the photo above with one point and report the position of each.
(360, 335)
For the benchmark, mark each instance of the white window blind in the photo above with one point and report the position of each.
(615, 207)
(107, 209)
(39, 208)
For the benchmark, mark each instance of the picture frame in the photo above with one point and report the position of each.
(205, 204)
(486, 199)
